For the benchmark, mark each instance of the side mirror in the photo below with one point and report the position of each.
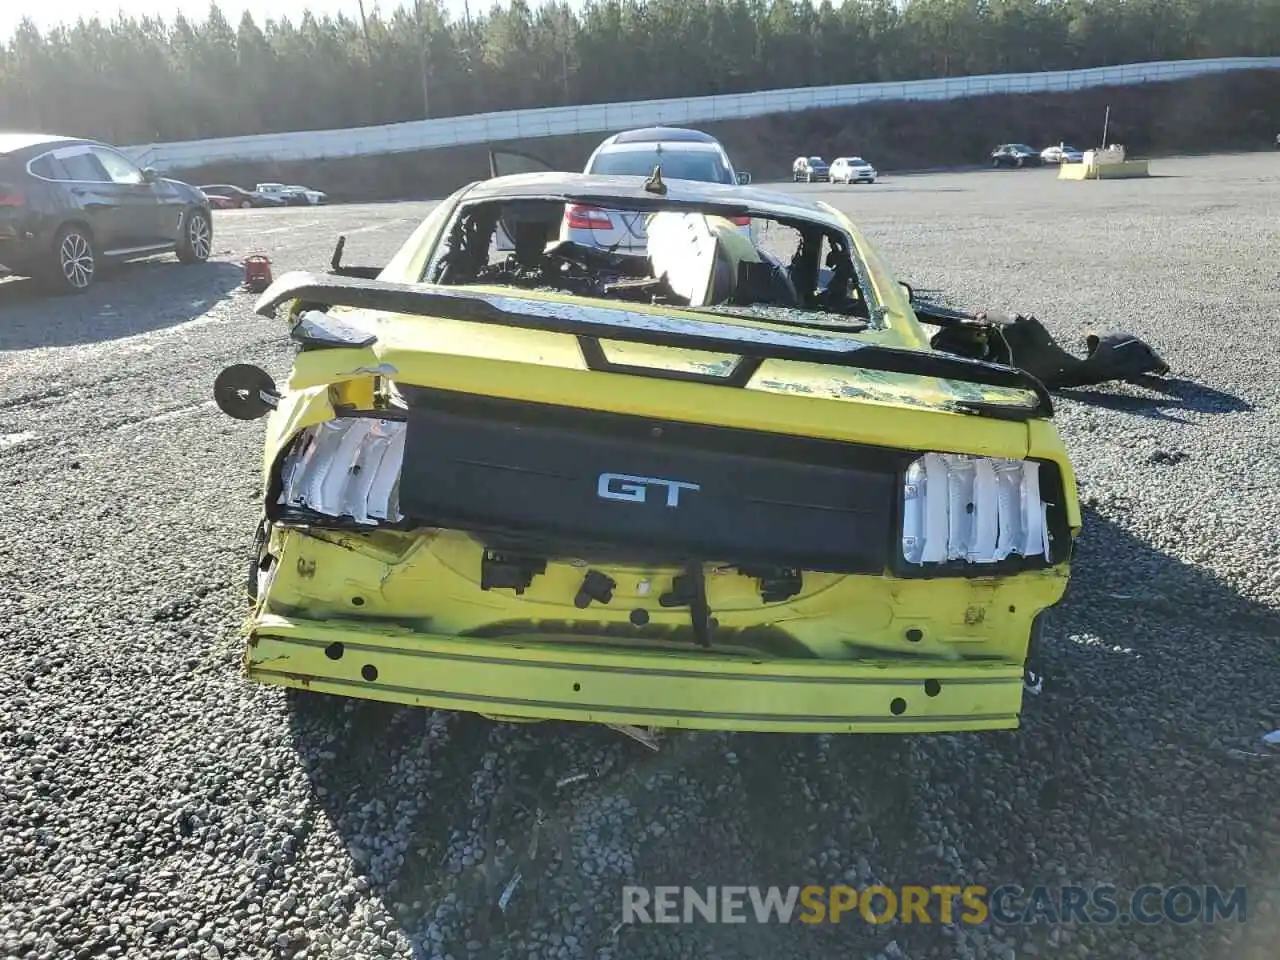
(149, 175)
(743, 178)
(911, 293)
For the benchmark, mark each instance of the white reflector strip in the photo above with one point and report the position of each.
(366, 470)
(346, 468)
(341, 475)
(1009, 497)
(960, 481)
(310, 487)
(935, 509)
(1035, 515)
(383, 502)
(986, 516)
(913, 513)
(976, 509)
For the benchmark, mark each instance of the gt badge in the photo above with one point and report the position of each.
(622, 486)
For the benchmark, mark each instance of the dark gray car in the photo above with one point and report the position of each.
(69, 204)
(1015, 155)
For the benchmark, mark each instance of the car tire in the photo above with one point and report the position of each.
(259, 560)
(196, 242)
(245, 204)
(73, 263)
(995, 162)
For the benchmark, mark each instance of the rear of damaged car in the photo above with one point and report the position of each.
(574, 496)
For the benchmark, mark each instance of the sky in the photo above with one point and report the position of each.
(51, 12)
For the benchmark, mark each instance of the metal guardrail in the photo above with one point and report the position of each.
(590, 118)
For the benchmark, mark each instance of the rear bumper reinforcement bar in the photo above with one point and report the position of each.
(535, 679)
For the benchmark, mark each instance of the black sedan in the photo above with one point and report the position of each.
(68, 204)
(226, 195)
(1016, 155)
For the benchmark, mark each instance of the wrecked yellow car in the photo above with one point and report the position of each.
(724, 483)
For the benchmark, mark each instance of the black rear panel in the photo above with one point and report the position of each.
(636, 488)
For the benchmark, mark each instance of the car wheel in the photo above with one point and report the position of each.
(74, 262)
(1018, 162)
(245, 204)
(196, 241)
(995, 162)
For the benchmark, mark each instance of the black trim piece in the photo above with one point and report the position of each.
(709, 335)
(815, 451)
(699, 610)
(652, 493)
(319, 331)
(505, 572)
(777, 584)
(940, 316)
(594, 356)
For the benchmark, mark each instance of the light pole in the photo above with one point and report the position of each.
(422, 60)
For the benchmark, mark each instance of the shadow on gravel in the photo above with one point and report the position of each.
(1123, 773)
(127, 299)
(1166, 394)
(1139, 763)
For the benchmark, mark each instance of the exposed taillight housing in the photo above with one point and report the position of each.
(973, 510)
(580, 216)
(741, 221)
(347, 469)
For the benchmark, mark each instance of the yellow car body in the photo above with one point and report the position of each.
(413, 615)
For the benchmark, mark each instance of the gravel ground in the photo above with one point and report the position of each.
(152, 804)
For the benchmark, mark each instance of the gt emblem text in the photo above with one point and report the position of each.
(622, 486)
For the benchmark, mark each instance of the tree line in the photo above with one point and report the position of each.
(146, 80)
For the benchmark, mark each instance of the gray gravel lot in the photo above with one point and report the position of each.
(152, 804)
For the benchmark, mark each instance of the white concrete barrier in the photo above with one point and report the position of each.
(599, 117)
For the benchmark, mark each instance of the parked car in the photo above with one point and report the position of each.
(683, 154)
(225, 195)
(809, 169)
(851, 170)
(1061, 153)
(522, 486)
(312, 197)
(68, 204)
(290, 196)
(1015, 155)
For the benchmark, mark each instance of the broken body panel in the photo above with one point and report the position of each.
(538, 504)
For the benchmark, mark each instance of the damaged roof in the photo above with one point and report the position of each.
(572, 186)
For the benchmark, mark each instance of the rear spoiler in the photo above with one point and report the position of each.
(755, 345)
